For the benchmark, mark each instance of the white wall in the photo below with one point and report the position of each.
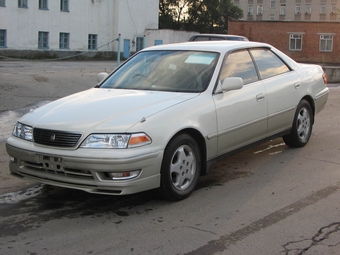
(106, 18)
(167, 35)
(134, 17)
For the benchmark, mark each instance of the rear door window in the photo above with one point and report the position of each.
(268, 63)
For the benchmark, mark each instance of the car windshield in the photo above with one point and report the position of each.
(173, 71)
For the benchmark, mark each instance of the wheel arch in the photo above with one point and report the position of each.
(311, 102)
(198, 137)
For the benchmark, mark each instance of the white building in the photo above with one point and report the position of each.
(77, 25)
(292, 10)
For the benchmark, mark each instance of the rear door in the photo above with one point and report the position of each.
(282, 87)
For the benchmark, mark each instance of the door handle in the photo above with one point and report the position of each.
(260, 97)
(297, 85)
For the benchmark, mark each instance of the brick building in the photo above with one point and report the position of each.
(304, 41)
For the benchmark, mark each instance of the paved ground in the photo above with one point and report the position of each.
(271, 198)
(28, 84)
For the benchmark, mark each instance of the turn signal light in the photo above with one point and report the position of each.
(324, 76)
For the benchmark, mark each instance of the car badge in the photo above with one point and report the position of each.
(52, 138)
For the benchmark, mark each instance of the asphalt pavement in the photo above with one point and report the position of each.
(29, 84)
(264, 202)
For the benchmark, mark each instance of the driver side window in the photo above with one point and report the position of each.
(239, 64)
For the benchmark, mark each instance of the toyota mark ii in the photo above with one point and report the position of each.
(164, 116)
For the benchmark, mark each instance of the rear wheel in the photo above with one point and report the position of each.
(180, 168)
(302, 126)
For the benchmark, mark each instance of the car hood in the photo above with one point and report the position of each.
(102, 110)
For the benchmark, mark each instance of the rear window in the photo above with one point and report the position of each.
(202, 38)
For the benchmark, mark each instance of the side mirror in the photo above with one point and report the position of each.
(232, 83)
(102, 76)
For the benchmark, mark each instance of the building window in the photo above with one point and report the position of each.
(259, 10)
(250, 10)
(283, 9)
(2, 3)
(92, 42)
(64, 5)
(64, 41)
(272, 17)
(43, 40)
(22, 3)
(297, 9)
(326, 43)
(308, 9)
(334, 10)
(272, 4)
(295, 42)
(139, 43)
(43, 5)
(2, 38)
(323, 9)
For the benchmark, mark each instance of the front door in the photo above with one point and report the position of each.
(241, 114)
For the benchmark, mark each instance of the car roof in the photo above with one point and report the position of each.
(222, 47)
(214, 46)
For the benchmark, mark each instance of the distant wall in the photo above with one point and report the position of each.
(333, 73)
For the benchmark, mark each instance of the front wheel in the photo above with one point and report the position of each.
(302, 126)
(180, 168)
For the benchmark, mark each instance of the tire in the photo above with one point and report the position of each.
(180, 168)
(302, 126)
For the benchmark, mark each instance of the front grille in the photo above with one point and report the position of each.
(56, 138)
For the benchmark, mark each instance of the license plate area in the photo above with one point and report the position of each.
(52, 163)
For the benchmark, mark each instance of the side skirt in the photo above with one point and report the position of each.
(252, 145)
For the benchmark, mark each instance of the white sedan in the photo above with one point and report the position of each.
(167, 114)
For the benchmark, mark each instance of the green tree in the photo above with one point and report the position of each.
(209, 16)
(172, 13)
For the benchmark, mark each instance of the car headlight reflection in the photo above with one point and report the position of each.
(23, 131)
(116, 141)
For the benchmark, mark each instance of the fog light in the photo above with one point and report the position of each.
(12, 159)
(124, 175)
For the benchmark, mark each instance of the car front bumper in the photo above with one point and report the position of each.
(88, 173)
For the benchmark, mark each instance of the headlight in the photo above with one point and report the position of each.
(23, 131)
(116, 141)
